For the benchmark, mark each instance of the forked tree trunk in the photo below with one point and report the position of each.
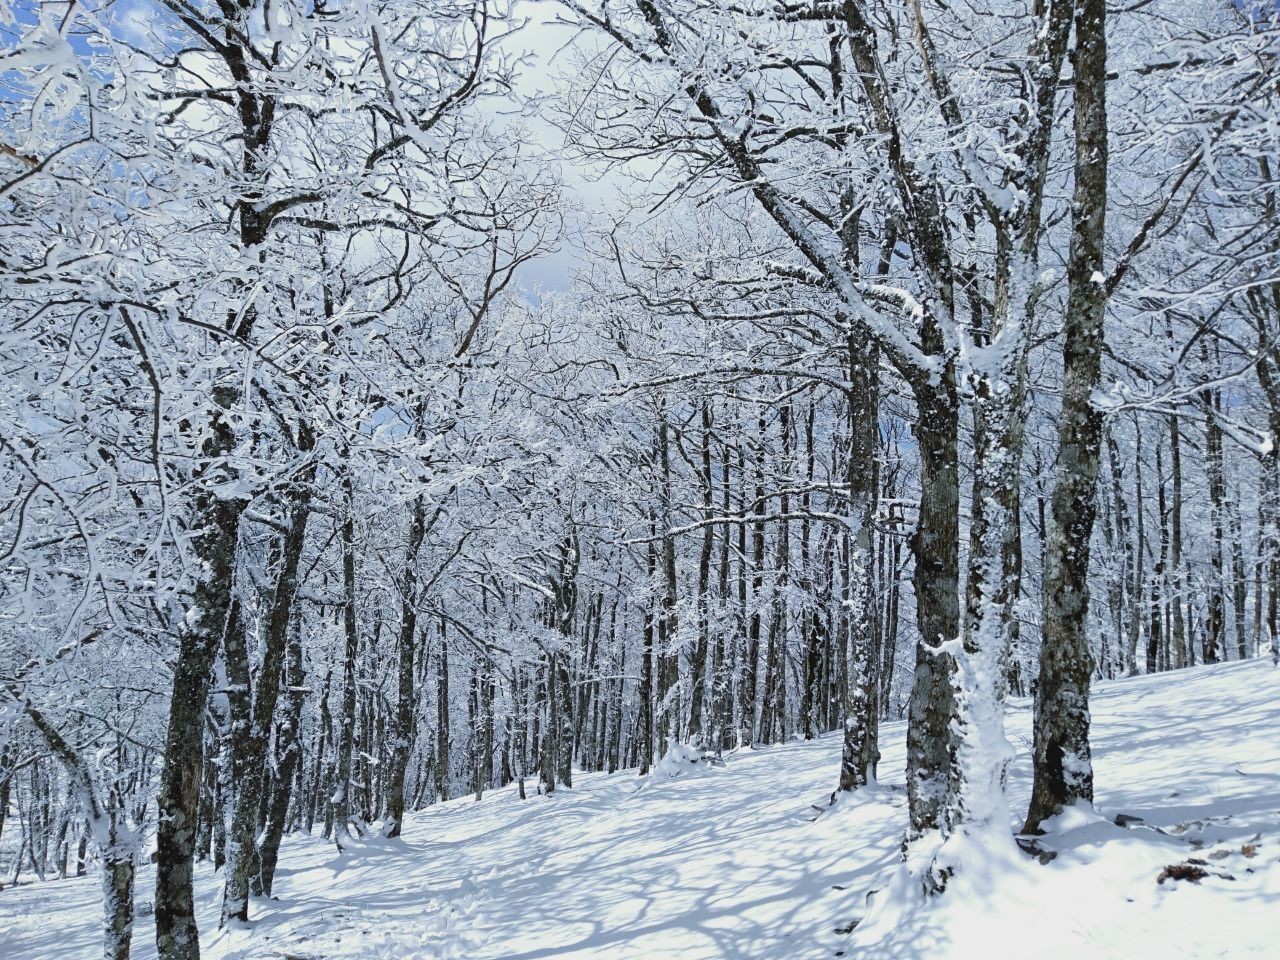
(216, 521)
(250, 747)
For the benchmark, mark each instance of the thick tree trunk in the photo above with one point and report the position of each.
(1063, 772)
(936, 579)
(216, 522)
(117, 902)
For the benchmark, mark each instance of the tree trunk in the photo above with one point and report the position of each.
(1215, 637)
(117, 842)
(1177, 576)
(698, 665)
(406, 699)
(443, 746)
(1239, 582)
(936, 579)
(250, 750)
(861, 750)
(1063, 769)
(1157, 642)
(668, 661)
(218, 524)
(6, 782)
(316, 801)
(752, 665)
(646, 665)
(341, 797)
(117, 900)
(288, 762)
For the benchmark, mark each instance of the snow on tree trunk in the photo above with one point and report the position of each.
(935, 545)
(861, 751)
(117, 900)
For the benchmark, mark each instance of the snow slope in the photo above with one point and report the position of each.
(733, 863)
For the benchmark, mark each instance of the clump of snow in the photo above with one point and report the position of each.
(1079, 816)
(680, 759)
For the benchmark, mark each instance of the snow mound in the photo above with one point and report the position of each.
(681, 759)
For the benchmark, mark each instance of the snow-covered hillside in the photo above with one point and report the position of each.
(736, 862)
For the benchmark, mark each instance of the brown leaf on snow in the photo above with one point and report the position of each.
(1182, 871)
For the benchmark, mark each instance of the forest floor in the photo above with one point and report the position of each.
(734, 861)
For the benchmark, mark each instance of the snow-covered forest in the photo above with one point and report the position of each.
(427, 426)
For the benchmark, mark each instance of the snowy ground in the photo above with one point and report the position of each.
(732, 863)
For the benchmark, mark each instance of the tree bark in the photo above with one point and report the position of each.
(1063, 770)
(406, 699)
(861, 750)
(699, 698)
(1177, 576)
(1215, 637)
(646, 663)
(288, 763)
(341, 798)
(936, 579)
(443, 772)
(177, 937)
(250, 750)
